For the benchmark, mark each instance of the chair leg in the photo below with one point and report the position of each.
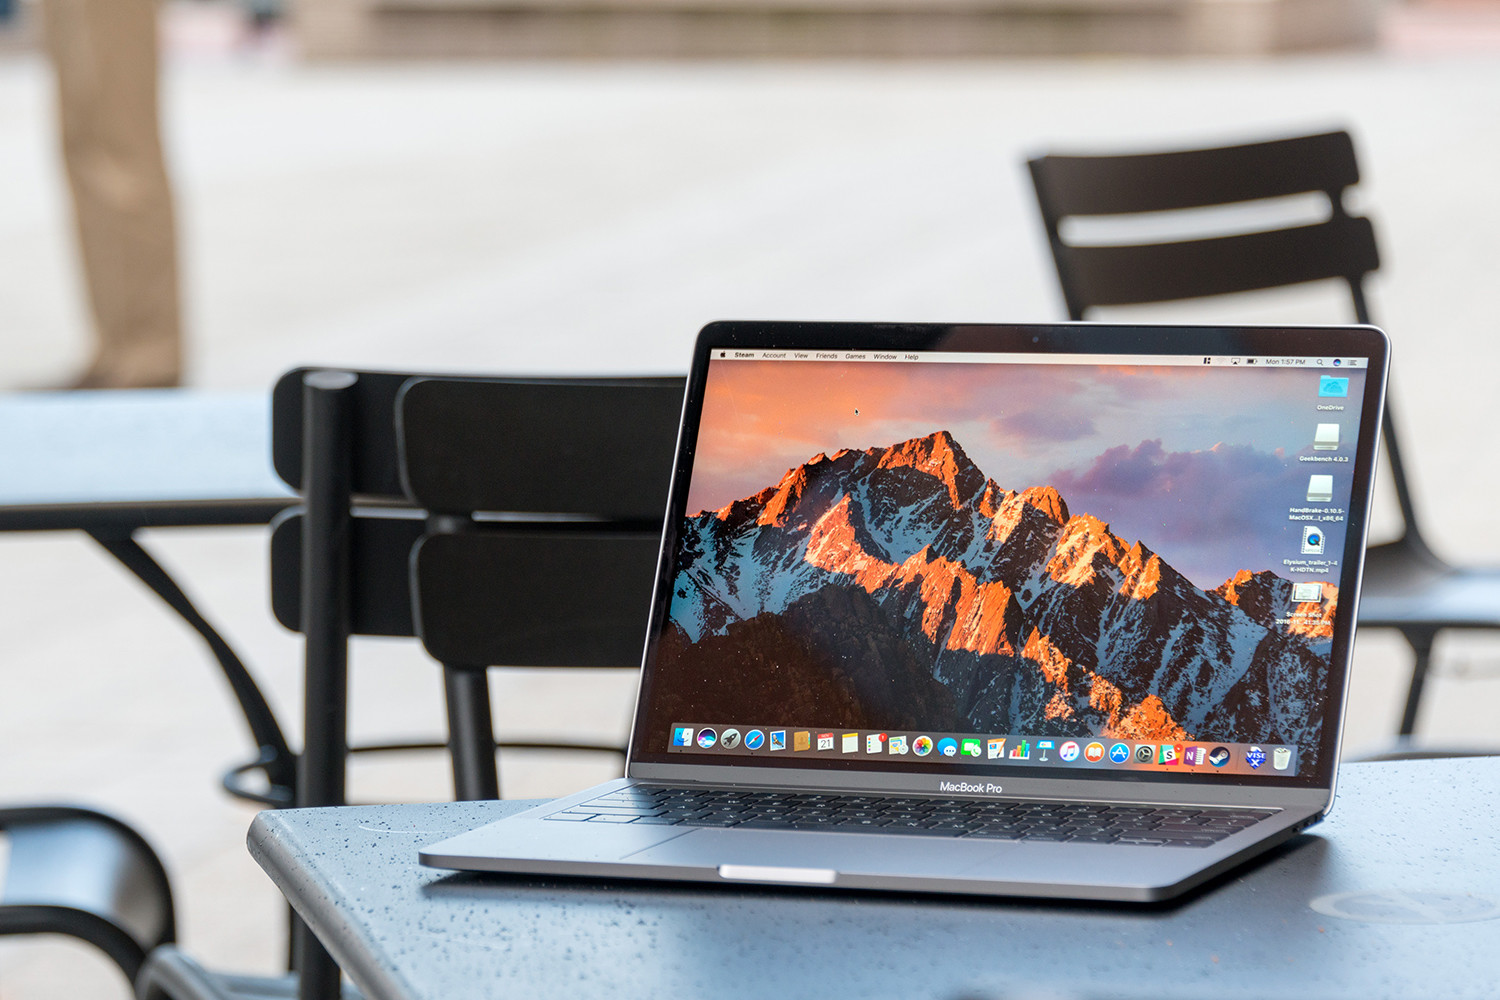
(326, 481)
(471, 734)
(1421, 642)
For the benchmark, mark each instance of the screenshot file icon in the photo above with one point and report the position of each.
(1306, 593)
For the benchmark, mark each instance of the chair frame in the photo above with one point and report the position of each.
(369, 488)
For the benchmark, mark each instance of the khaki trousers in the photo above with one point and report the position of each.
(104, 54)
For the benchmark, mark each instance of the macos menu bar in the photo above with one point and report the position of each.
(971, 358)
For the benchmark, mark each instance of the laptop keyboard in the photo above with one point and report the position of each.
(1093, 823)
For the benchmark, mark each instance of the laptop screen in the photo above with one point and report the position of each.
(1101, 563)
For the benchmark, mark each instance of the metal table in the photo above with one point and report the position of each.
(1396, 895)
(111, 463)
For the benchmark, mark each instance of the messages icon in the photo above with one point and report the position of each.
(1330, 386)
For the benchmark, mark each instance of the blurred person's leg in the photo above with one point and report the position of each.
(104, 53)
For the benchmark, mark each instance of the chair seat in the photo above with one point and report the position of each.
(1408, 587)
(87, 875)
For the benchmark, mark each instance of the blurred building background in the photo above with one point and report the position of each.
(579, 185)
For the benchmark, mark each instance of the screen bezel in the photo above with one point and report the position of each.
(1040, 340)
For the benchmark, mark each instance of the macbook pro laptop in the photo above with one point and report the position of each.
(1055, 610)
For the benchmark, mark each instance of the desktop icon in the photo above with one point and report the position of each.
(897, 745)
(1319, 489)
(922, 745)
(1021, 751)
(1281, 758)
(1326, 437)
(1329, 385)
(1218, 756)
(1043, 746)
(1169, 753)
(778, 739)
(875, 743)
(802, 741)
(730, 739)
(707, 738)
(1255, 757)
(1093, 753)
(1194, 756)
(1307, 593)
(1068, 751)
(995, 748)
(971, 748)
(948, 746)
(1145, 753)
(1313, 541)
(754, 739)
(850, 743)
(825, 741)
(1119, 753)
(682, 736)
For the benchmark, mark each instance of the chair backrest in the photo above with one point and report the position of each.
(546, 500)
(1342, 246)
(444, 449)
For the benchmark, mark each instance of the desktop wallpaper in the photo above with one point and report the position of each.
(1048, 549)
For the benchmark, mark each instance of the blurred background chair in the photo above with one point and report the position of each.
(1407, 586)
(86, 875)
(504, 522)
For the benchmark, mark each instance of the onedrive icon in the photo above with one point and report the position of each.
(1330, 386)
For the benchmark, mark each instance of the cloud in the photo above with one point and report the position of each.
(1047, 425)
(1209, 513)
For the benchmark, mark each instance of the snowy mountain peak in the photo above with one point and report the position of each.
(1047, 500)
(939, 456)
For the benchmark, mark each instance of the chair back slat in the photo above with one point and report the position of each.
(380, 591)
(535, 598)
(1160, 182)
(1342, 247)
(372, 402)
(587, 447)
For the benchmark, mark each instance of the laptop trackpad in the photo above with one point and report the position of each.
(852, 852)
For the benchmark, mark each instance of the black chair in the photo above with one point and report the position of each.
(503, 521)
(1407, 586)
(86, 875)
(461, 505)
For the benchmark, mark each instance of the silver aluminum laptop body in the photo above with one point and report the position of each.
(1105, 565)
